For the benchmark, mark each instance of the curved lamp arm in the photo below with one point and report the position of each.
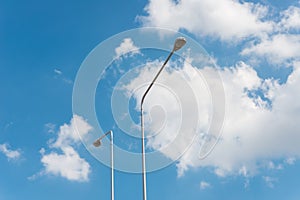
(179, 42)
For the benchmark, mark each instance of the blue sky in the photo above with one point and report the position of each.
(253, 47)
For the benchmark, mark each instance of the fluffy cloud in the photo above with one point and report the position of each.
(68, 163)
(290, 161)
(276, 49)
(70, 133)
(276, 41)
(280, 45)
(224, 19)
(290, 18)
(270, 181)
(127, 46)
(204, 185)
(253, 131)
(261, 118)
(9, 153)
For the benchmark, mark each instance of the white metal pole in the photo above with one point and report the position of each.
(142, 128)
(143, 157)
(177, 45)
(112, 164)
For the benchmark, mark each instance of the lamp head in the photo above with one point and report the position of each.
(97, 143)
(179, 42)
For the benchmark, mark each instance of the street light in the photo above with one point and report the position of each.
(97, 143)
(179, 42)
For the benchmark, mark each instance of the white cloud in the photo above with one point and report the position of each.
(218, 171)
(70, 133)
(224, 19)
(290, 18)
(9, 153)
(67, 164)
(243, 171)
(276, 49)
(270, 181)
(259, 126)
(290, 160)
(57, 71)
(59, 75)
(272, 165)
(126, 47)
(35, 176)
(50, 127)
(281, 46)
(204, 185)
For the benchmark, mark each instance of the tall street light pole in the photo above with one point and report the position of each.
(97, 143)
(179, 42)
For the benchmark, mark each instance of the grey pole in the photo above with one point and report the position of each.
(177, 45)
(97, 143)
(112, 164)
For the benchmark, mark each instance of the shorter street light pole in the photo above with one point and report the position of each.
(97, 143)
